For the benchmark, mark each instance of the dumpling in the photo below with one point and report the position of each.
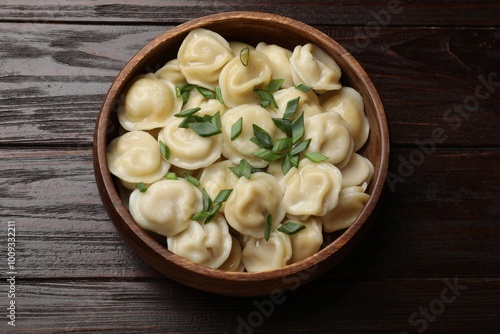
(188, 149)
(206, 244)
(252, 201)
(233, 262)
(171, 72)
(217, 177)
(280, 62)
(349, 104)
(331, 136)
(308, 102)
(306, 242)
(312, 66)
(242, 147)
(238, 81)
(259, 254)
(135, 157)
(202, 55)
(166, 207)
(357, 171)
(352, 201)
(237, 47)
(312, 189)
(147, 103)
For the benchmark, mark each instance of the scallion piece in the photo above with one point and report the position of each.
(236, 129)
(267, 155)
(243, 169)
(187, 112)
(285, 125)
(141, 186)
(291, 228)
(164, 150)
(291, 107)
(262, 136)
(264, 95)
(204, 129)
(303, 88)
(245, 56)
(286, 165)
(294, 160)
(216, 120)
(275, 85)
(178, 92)
(223, 195)
(202, 215)
(299, 148)
(191, 179)
(207, 201)
(207, 93)
(282, 144)
(213, 212)
(218, 93)
(298, 129)
(171, 176)
(269, 223)
(316, 156)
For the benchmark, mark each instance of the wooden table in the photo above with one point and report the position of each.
(429, 264)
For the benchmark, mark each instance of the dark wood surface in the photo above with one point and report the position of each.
(431, 262)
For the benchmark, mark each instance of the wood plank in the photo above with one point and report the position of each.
(428, 79)
(153, 306)
(441, 220)
(394, 13)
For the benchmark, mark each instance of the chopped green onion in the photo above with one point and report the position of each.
(285, 125)
(207, 93)
(299, 148)
(213, 212)
(178, 92)
(291, 228)
(216, 120)
(202, 215)
(243, 169)
(171, 176)
(267, 155)
(316, 156)
(269, 223)
(298, 129)
(187, 112)
(282, 144)
(191, 179)
(294, 160)
(236, 129)
(187, 88)
(223, 195)
(164, 150)
(303, 88)
(291, 107)
(207, 201)
(185, 97)
(218, 93)
(262, 136)
(275, 85)
(264, 95)
(245, 56)
(204, 129)
(265, 104)
(286, 164)
(141, 186)
(184, 92)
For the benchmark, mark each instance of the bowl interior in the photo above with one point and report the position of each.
(251, 28)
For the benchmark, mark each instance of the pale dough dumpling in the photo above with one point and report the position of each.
(171, 72)
(147, 104)
(357, 171)
(308, 102)
(259, 254)
(312, 66)
(135, 157)
(349, 104)
(306, 242)
(237, 81)
(280, 62)
(217, 177)
(233, 262)
(166, 207)
(202, 55)
(331, 136)
(237, 47)
(252, 201)
(188, 149)
(312, 189)
(206, 244)
(352, 201)
(242, 147)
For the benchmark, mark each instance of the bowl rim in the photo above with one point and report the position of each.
(110, 196)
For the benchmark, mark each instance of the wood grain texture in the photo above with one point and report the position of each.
(428, 227)
(434, 13)
(427, 79)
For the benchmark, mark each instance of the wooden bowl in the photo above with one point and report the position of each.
(249, 27)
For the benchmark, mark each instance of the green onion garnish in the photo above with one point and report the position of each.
(298, 129)
(191, 179)
(243, 169)
(207, 201)
(171, 176)
(207, 93)
(299, 148)
(264, 95)
(285, 125)
(223, 195)
(245, 56)
(262, 137)
(303, 88)
(141, 186)
(218, 93)
(269, 223)
(316, 156)
(282, 144)
(164, 150)
(204, 129)
(267, 155)
(187, 112)
(236, 129)
(291, 228)
(291, 107)
(216, 120)
(275, 85)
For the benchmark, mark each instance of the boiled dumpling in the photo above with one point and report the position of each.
(352, 201)
(259, 254)
(171, 72)
(217, 177)
(312, 189)
(358, 171)
(308, 102)
(188, 149)
(313, 67)
(331, 136)
(147, 103)
(280, 62)
(233, 262)
(206, 244)
(306, 242)
(202, 55)
(238, 47)
(135, 157)
(238, 81)
(349, 104)
(252, 201)
(166, 207)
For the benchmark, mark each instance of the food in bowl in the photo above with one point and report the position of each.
(242, 156)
